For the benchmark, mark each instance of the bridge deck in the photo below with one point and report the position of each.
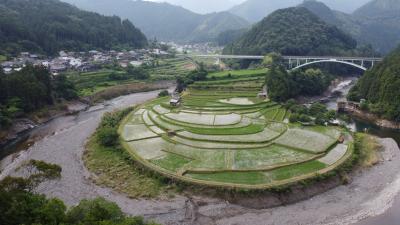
(292, 57)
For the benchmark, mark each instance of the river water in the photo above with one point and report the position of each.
(391, 217)
(339, 92)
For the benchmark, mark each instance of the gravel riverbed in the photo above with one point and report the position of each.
(370, 193)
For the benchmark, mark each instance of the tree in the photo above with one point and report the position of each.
(19, 205)
(64, 88)
(138, 73)
(380, 88)
(272, 59)
(62, 27)
(279, 84)
(317, 109)
(163, 93)
(92, 212)
(107, 136)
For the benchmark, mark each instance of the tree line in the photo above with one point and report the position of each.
(48, 26)
(20, 205)
(31, 89)
(284, 85)
(380, 88)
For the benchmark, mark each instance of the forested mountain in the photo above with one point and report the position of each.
(376, 8)
(293, 31)
(47, 26)
(255, 10)
(380, 24)
(380, 87)
(229, 36)
(377, 23)
(165, 21)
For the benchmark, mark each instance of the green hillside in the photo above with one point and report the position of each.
(293, 31)
(47, 26)
(380, 87)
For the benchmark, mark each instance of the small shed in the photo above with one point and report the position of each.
(175, 101)
(263, 93)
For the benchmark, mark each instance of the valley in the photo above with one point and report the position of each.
(184, 112)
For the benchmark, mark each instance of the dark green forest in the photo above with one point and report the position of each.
(47, 26)
(380, 87)
(19, 205)
(293, 31)
(283, 85)
(31, 89)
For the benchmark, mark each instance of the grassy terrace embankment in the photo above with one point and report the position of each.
(223, 135)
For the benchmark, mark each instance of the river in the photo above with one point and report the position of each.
(62, 141)
(391, 216)
(339, 92)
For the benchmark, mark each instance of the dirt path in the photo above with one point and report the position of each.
(370, 193)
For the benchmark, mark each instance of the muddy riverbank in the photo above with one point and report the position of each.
(370, 193)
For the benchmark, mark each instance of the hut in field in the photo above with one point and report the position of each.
(176, 100)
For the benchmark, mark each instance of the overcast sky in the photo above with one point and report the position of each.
(204, 6)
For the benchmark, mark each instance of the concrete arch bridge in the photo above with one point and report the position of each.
(297, 62)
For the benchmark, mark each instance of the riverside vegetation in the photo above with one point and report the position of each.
(29, 90)
(19, 204)
(379, 87)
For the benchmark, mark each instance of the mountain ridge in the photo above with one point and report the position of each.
(293, 31)
(371, 24)
(47, 26)
(165, 21)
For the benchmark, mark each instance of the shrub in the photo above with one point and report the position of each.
(107, 133)
(317, 109)
(47, 170)
(138, 73)
(163, 93)
(116, 76)
(294, 118)
(107, 136)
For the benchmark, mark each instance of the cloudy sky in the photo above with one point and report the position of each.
(204, 6)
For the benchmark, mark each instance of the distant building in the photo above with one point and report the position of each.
(136, 63)
(263, 93)
(7, 70)
(175, 100)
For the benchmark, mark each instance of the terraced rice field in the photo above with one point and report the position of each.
(230, 139)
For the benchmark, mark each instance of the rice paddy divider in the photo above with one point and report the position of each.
(262, 169)
(273, 184)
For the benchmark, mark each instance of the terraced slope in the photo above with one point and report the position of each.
(230, 139)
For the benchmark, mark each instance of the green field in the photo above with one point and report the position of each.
(165, 69)
(229, 138)
(238, 73)
(3, 58)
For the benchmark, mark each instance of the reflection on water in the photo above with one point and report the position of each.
(392, 216)
(339, 92)
(362, 126)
